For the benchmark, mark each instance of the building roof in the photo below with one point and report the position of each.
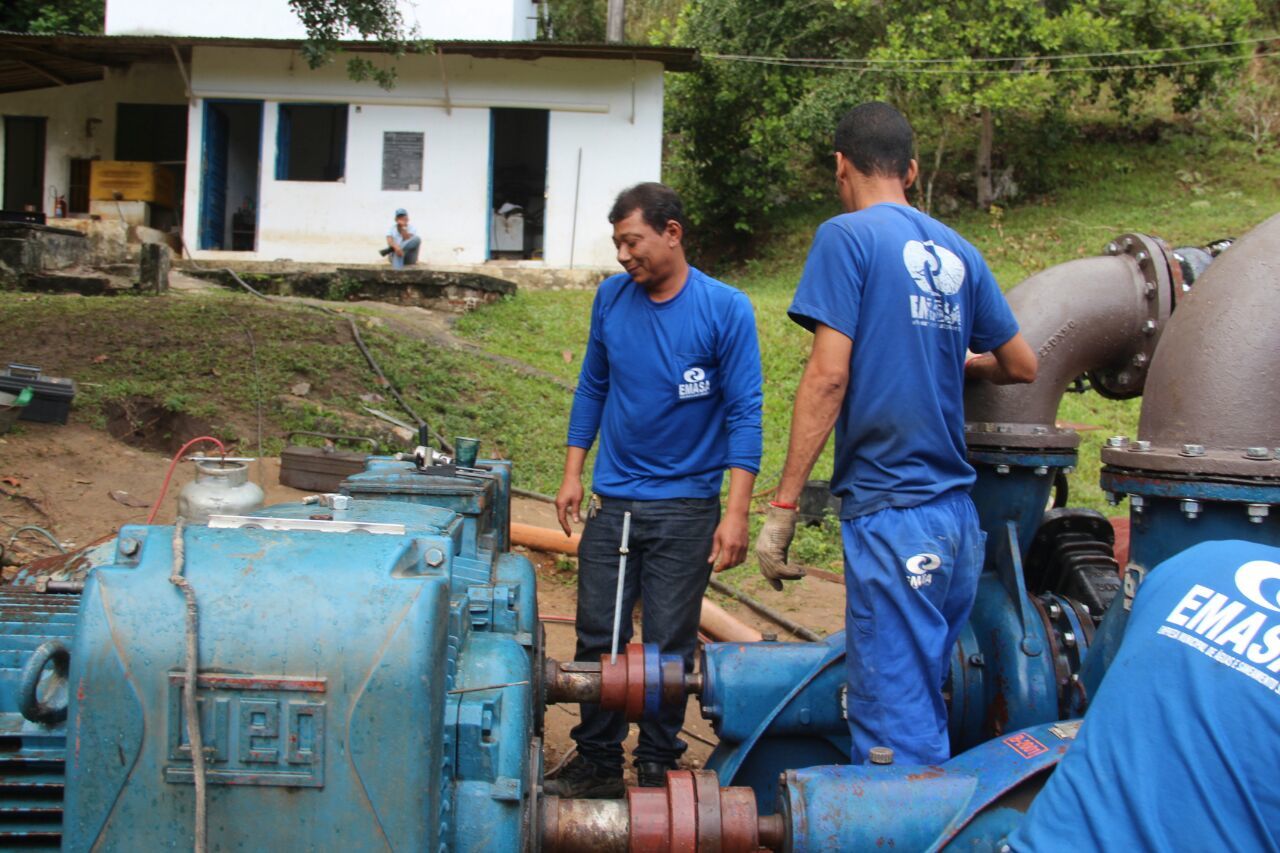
(30, 61)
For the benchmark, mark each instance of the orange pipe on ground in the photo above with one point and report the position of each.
(715, 621)
(544, 539)
(725, 628)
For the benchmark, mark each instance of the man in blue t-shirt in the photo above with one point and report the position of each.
(894, 300)
(671, 383)
(1179, 748)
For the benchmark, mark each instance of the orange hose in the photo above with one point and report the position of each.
(544, 539)
(155, 508)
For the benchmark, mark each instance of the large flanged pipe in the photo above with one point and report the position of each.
(640, 683)
(1211, 407)
(1101, 316)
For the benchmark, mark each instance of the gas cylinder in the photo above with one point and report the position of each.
(220, 488)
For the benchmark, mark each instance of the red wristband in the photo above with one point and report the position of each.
(781, 505)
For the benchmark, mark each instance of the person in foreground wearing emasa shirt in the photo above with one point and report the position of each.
(1180, 746)
(894, 299)
(671, 383)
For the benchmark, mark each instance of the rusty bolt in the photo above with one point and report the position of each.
(880, 755)
(1191, 508)
(1118, 441)
(1258, 512)
(1257, 453)
(977, 660)
(129, 546)
(1140, 359)
(1149, 327)
(1002, 469)
(1140, 446)
(1193, 450)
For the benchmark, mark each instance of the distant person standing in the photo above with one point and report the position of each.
(403, 242)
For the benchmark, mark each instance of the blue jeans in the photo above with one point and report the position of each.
(910, 579)
(667, 570)
(410, 248)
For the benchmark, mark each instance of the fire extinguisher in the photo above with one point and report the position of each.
(60, 207)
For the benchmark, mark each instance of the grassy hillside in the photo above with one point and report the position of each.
(1186, 189)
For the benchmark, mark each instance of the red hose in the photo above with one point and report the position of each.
(155, 508)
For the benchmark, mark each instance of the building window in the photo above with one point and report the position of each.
(311, 143)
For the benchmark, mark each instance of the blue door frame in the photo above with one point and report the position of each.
(213, 172)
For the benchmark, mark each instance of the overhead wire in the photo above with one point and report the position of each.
(837, 65)
(994, 59)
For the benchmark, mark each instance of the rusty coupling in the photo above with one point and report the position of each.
(640, 683)
(692, 814)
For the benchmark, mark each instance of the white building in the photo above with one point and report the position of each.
(499, 147)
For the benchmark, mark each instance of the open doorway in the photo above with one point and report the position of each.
(24, 163)
(150, 133)
(229, 175)
(518, 176)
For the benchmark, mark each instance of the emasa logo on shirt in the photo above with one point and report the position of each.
(938, 273)
(695, 384)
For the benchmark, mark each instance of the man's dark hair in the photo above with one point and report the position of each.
(876, 139)
(657, 203)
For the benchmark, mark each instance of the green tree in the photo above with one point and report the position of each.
(745, 135)
(52, 16)
(328, 22)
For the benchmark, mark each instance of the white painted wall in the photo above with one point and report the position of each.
(500, 20)
(82, 117)
(591, 104)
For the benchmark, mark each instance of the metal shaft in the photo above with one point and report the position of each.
(622, 576)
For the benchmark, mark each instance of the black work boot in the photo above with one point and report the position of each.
(652, 774)
(581, 779)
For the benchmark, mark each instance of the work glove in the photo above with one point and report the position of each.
(773, 543)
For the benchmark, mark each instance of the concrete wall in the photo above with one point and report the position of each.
(592, 104)
(82, 117)
(436, 19)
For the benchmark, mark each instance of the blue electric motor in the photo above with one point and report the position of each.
(366, 679)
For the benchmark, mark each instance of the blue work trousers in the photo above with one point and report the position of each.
(910, 579)
(667, 570)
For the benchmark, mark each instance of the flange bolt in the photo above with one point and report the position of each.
(1193, 450)
(880, 755)
(1257, 453)
(1258, 513)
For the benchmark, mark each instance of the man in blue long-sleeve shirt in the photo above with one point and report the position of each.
(671, 382)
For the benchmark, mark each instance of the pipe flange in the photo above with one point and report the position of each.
(1019, 436)
(1192, 458)
(707, 788)
(682, 800)
(1162, 278)
(634, 710)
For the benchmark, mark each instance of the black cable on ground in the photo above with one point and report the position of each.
(765, 611)
(364, 350)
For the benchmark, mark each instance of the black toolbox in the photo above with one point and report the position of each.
(322, 469)
(52, 401)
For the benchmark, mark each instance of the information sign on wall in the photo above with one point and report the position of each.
(402, 161)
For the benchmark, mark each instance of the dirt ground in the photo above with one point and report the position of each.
(62, 478)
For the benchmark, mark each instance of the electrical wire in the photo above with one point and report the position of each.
(189, 683)
(33, 528)
(835, 65)
(177, 457)
(995, 59)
